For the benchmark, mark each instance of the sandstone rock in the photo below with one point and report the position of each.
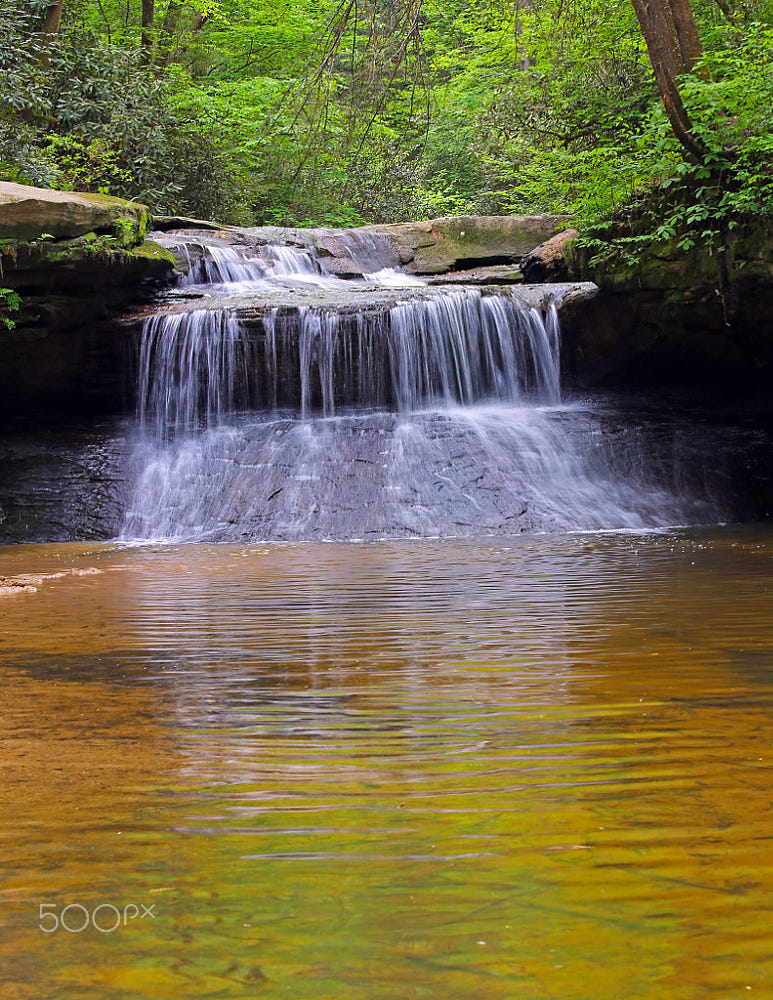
(64, 353)
(547, 262)
(496, 274)
(461, 242)
(74, 260)
(9, 586)
(164, 223)
(28, 213)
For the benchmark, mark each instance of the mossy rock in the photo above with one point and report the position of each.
(153, 252)
(747, 259)
(30, 213)
(675, 316)
(465, 241)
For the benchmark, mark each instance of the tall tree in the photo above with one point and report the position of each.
(48, 30)
(146, 43)
(674, 47)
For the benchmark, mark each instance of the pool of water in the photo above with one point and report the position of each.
(535, 767)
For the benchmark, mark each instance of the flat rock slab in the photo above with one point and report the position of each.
(27, 213)
(462, 241)
(497, 274)
(353, 298)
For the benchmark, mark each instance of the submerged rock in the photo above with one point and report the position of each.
(28, 583)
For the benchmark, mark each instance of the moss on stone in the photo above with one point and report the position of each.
(679, 315)
(464, 241)
(29, 213)
(152, 251)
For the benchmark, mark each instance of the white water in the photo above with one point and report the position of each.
(245, 269)
(438, 415)
(459, 472)
(222, 265)
(456, 347)
(291, 261)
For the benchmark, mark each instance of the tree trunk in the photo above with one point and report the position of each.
(687, 34)
(727, 10)
(166, 35)
(171, 51)
(48, 30)
(146, 41)
(673, 47)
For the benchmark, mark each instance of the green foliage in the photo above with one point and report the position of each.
(81, 167)
(318, 112)
(9, 303)
(698, 204)
(94, 118)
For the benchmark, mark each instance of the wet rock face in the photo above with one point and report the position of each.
(454, 473)
(63, 484)
(366, 476)
(694, 319)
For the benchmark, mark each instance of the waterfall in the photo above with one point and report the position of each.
(220, 265)
(457, 347)
(193, 370)
(413, 412)
(463, 347)
(292, 261)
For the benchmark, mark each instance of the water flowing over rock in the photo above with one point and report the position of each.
(457, 348)
(279, 401)
(430, 247)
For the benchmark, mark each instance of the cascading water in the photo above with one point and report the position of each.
(437, 413)
(220, 265)
(290, 261)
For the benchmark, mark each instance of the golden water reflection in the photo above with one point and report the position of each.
(534, 768)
